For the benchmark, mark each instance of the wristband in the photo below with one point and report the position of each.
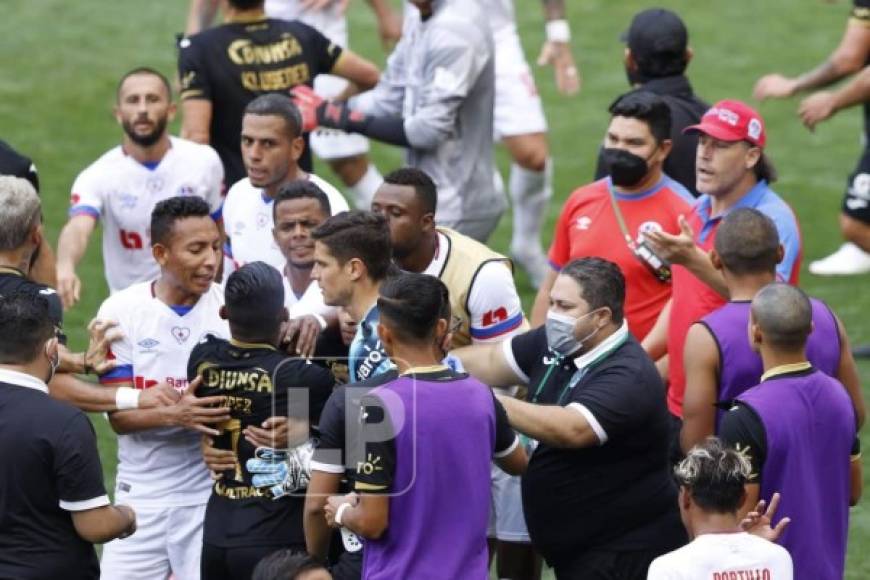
(127, 398)
(340, 512)
(558, 31)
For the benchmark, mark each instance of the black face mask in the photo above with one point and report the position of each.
(626, 169)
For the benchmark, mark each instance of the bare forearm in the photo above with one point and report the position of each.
(550, 424)
(86, 396)
(821, 76)
(101, 525)
(655, 343)
(72, 243)
(855, 92)
(201, 15)
(135, 420)
(317, 532)
(700, 265)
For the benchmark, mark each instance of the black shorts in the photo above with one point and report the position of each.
(219, 563)
(856, 202)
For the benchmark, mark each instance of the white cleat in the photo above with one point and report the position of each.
(849, 260)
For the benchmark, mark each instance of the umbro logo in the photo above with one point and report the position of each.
(148, 343)
(583, 222)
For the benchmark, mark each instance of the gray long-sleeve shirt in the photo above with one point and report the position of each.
(440, 80)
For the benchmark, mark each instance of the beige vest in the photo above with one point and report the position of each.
(465, 258)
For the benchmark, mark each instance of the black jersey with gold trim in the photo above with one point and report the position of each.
(258, 382)
(232, 64)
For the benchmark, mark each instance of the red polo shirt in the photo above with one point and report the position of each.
(588, 227)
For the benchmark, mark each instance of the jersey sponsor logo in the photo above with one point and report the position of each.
(583, 222)
(500, 314)
(142, 383)
(130, 240)
(186, 190)
(180, 333)
(244, 52)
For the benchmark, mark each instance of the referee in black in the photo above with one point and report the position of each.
(598, 497)
(53, 505)
(224, 68)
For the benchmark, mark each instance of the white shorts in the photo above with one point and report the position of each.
(518, 108)
(167, 540)
(506, 520)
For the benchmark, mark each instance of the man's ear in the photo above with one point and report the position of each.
(222, 312)
(753, 157)
(690, 54)
(685, 498)
(355, 269)
(716, 260)
(171, 111)
(37, 234)
(665, 148)
(160, 253)
(427, 222)
(387, 338)
(780, 254)
(52, 345)
(628, 60)
(605, 317)
(297, 148)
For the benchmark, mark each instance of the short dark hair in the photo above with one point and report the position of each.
(246, 4)
(254, 298)
(714, 476)
(747, 242)
(411, 304)
(602, 283)
(424, 187)
(144, 70)
(358, 234)
(301, 189)
(647, 107)
(285, 565)
(278, 105)
(26, 324)
(170, 210)
(784, 315)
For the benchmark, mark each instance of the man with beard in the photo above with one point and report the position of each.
(608, 218)
(123, 186)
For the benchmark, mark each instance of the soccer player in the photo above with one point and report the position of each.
(851, 56)
(346, 154)
(351, 259)
(436, 100)
(256, 381)
(485, 307)
(124, 185)
(224, 68)
(54, 503)
(160, 467)
(21, 236)
(609, 217)
(271, 147)
(712, 479)
(14, 163)
(797, 428)
(425, 435)
(719, 360)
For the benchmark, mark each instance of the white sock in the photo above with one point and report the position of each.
(530, 193)
(363, 191)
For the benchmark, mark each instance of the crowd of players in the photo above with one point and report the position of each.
(304, 390)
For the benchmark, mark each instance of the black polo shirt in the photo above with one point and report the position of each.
(686, 109)
(616, 496)
(232, 64)
(14, 163)
(50, 468)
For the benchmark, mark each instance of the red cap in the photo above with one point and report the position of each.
(732, 121)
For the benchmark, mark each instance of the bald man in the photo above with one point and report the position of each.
(719, 361)
(798, 430)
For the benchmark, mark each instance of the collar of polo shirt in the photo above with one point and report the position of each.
(22, 380)
(603, 350)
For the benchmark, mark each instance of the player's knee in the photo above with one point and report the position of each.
(533, 158)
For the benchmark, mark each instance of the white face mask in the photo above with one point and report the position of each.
(54, 363)
(560, 332)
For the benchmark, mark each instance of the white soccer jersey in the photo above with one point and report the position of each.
(330, 21)
(123, 192)
(494, 307)
(163, 466)
(310, 302)
(248, 221)
(500, 14)
(724, 557)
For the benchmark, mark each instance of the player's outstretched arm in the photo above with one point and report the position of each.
(71, 246)
(317, 533)
(191, 412)
(823, 105)
(487, 363)
(556, 50)
(389, 23)
(100, 525)
(362, 73)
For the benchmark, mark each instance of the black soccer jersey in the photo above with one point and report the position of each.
(257, 381)
(232, 64)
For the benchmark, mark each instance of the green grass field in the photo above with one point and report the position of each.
(62, 60)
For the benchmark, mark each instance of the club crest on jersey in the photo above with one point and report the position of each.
(648, 228)
(128, 200)
(154, 185)
(583, 222)
(180, 333)
(262, 220)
